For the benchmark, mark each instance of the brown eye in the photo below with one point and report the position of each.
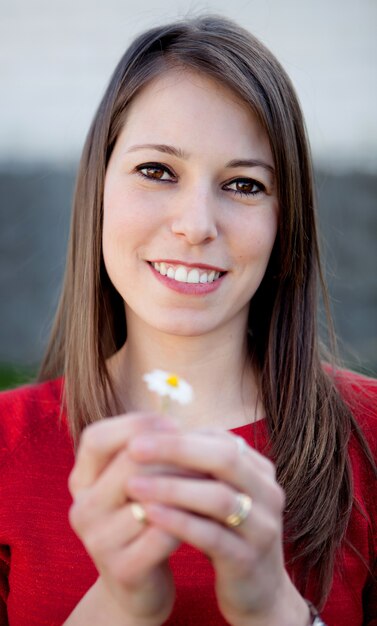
(155, 171)
(245, 186)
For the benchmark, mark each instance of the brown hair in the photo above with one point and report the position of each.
(309, 423)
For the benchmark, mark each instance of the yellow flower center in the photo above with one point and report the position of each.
(173, 380)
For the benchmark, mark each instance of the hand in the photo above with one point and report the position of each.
(252, 585)
(136, 582)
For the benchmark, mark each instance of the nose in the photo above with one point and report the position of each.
(195, 217)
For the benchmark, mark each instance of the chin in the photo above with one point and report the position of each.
(184, 330)
(184, 326)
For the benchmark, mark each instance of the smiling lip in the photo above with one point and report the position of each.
(203, 266)
(193, 289)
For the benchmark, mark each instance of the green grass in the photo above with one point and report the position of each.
(14, 375)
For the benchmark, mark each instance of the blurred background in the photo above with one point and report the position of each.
(55, 60)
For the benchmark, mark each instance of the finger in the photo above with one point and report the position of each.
(105, 535)
(216, 456)
(122, 545)
(109, 492)
(220, 543)
(135, 561)
(203, 497)
(101, 441)
(206, 535)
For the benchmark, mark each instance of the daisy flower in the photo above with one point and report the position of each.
(170, 385)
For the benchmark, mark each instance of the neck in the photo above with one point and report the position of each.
(218, 369)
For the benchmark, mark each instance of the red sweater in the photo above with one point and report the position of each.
(45, 570)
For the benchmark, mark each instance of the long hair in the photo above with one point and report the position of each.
(309, 424)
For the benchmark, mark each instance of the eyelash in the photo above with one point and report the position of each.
(154, 166)
(164, 169)
(248, 181)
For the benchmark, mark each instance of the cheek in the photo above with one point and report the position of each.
(257, 238)
(111, 230)
(116, 232)
(125, 221)
(127, 208)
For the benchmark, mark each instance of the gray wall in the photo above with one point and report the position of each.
(34, 216)
(348, 225)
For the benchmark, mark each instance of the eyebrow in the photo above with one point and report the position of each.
(161, 147)
(250, 163)
(177, 152)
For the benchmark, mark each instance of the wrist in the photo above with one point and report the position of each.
(288, 608)
(121, 608)
(99, 608)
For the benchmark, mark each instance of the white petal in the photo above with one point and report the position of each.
(157, 381)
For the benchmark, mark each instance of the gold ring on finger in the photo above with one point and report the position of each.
(243, 508)
(138, 512)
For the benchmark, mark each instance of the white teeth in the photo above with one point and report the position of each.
(182, 275)
(192, 276)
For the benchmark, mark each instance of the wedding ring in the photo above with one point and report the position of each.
(244, 504)
(138, 512)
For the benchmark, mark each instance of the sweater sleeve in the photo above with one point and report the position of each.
(363, 403)
(21, 411)
(370, 600)
(4, 588)
(6, 443)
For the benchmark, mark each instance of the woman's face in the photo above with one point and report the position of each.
(190, 207)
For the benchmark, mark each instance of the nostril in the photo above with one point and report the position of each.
(195, 234)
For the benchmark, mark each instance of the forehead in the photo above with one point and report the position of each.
(190, 107)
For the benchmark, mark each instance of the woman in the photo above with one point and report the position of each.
(193, 249)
